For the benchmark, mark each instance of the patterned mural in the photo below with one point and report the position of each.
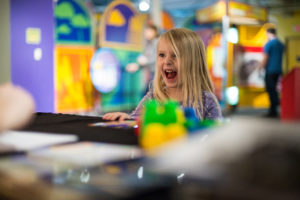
(121, 39)
(73, 24)
(122, 27)
(73, 52)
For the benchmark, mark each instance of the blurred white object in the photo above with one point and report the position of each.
(233, 35)
(105, 70)
(24, 140)
(144, 5)
(232, 95)
(37, 54)
(88, 153)
(142, 60)
(132, 67)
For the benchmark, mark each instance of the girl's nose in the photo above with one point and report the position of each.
(168, 60)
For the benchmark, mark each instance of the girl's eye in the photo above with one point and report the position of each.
(161, 55)
(173, 56)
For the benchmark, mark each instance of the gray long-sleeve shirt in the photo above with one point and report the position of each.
(211, 109)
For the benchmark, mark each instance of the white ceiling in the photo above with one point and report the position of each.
(190, 5)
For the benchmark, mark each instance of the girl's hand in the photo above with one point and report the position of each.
(116, 115)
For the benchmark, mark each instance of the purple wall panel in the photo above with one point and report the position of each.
(37, 77)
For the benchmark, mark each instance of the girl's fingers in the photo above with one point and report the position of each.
(124, 116)
(108, 116)
(115, 116)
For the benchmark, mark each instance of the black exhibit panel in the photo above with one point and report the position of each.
(82, 127)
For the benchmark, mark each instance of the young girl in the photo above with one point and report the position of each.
(181, 75)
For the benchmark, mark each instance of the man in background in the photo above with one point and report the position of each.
(147, 59)
(272, 63)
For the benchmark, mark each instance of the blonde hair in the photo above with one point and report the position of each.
(193, 74)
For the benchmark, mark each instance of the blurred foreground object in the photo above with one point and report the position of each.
(16, 106)
(248, 158)
(162, 123)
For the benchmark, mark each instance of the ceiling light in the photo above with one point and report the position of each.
(144, 6)
(233, 35)
(232, 95)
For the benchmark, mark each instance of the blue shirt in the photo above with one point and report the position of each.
(274, 49)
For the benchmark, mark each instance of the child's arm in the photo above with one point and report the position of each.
(121, 116)
(116, 115)
(212, 108)
(137, 112)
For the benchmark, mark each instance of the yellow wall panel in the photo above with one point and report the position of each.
(73, 86)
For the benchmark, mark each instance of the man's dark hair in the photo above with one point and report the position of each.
(271, 30)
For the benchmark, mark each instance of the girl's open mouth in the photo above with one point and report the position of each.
(170, 74)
